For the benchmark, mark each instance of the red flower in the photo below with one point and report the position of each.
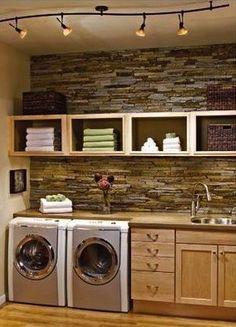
(103, 184)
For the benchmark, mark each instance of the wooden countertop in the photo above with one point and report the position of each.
(136, 219)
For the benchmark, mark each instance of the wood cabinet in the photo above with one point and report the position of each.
(206, 268)
(152, 264)
(133, 129)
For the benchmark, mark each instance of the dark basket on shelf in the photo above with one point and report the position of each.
(221, 137)
(43, 103)
(221, 97)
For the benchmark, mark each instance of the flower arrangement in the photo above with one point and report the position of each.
(104, 184)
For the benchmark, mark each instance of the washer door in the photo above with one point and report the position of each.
(34, 257)
(95, 261)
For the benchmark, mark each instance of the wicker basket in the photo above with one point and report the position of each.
(221, 137)
(221, 97)
(43, 103)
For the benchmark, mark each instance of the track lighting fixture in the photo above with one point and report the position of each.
(141, 30)
(22, 33)
(66, 30)
(182, 30)
(103, 11)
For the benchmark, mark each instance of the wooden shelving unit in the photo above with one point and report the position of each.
(77, 124)
(133, 130)
(17, 133)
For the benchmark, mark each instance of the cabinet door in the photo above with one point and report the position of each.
(196, 274)
(227, 276)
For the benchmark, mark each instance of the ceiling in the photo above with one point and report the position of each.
(92, 33)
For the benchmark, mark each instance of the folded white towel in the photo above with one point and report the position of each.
(171, 150)
(174, 140)
(39, 148)
(39, 136)
(40, 130)
(55, 210)
(172, 146)
(39, 142)
(67, 203)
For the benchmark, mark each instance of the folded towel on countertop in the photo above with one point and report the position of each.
(98, 131)
(41, 136)
(39, 148)
(100, 149)
(40, 130)
(99, 144)
(67, 203)
(171, 150)
(55, 210)
(39, 142)
(98, 138)
(174, 140)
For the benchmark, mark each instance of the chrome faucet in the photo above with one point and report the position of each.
(196, 198)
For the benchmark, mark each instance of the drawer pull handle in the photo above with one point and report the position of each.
(153, 237)
(152, 267)
(153, 252)
(152, 289)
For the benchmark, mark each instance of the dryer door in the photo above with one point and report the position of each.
(34, 257)
(95, 261)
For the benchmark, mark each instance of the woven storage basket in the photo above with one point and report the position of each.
(221, 137)
(221, 97)
(43, 103)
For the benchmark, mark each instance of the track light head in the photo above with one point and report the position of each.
(141, 30)
(22, 33)
(181, 30)
(66, 30)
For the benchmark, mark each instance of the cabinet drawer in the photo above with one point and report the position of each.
(154, 286)
(151, 249)
(202, 237)
(152, 235)
(152, 264)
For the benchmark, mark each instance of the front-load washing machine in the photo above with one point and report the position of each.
(98, 265)
(36, 260)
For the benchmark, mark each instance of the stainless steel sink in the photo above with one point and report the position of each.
(214, 221)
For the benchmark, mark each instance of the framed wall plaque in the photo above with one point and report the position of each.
(17, 180)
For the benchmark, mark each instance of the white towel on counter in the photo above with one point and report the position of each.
(171, 150)
(174, 140)
(67, 203)
(40, 142)
(55, 210)
(41, 136)
(39, 148)
(40, 130)
(172, 146)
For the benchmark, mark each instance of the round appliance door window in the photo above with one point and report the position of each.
(95, 261)
(35, 257)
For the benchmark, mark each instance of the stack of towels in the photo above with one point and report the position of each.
(40, 139)
(55, 204)
(171, 143)
(149, 146)
(100, 139)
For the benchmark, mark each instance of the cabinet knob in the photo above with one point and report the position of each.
(152, 289)
(153, 252)
(152, 237)
(152, 266)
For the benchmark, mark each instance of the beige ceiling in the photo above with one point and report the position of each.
(91, 33)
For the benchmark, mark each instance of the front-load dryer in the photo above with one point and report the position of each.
(36, 260)
(97, 265)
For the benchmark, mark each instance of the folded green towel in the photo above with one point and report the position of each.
(55, 197)
(97, 138)
(98, 131)
(99, 144)
(100, 149)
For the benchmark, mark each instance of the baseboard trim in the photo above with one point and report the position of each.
(2, 299)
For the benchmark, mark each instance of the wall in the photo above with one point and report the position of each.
(14, 79)
(136, 81)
